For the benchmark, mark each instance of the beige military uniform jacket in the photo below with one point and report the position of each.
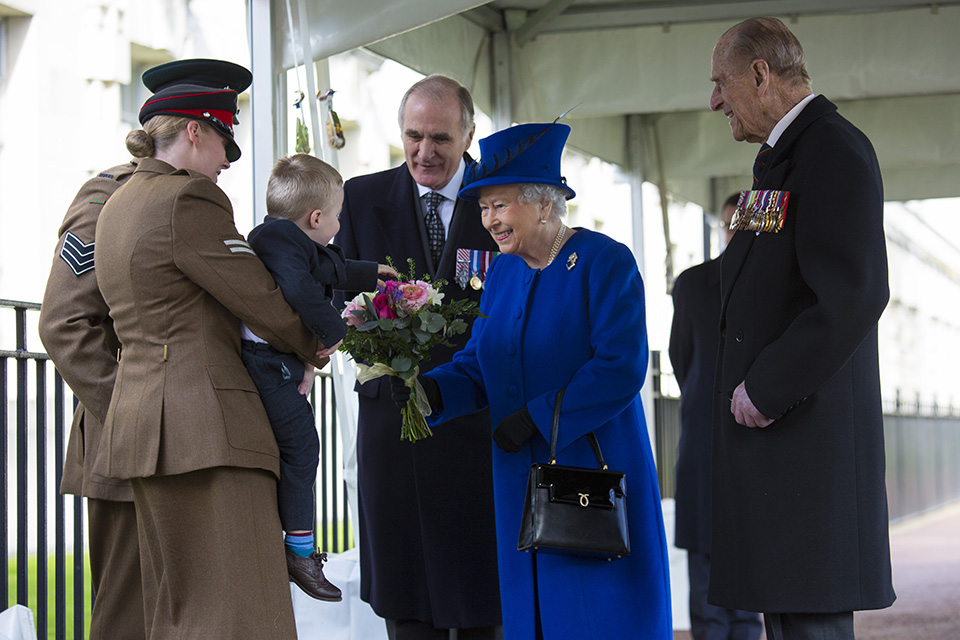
(178, 279)
(78, 335)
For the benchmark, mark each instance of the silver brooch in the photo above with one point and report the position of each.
(572, 261)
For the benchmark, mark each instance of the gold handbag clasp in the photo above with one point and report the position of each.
(584, 499)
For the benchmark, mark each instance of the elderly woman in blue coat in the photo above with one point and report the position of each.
(561, 308)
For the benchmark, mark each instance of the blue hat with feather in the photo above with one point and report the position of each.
(522, 154)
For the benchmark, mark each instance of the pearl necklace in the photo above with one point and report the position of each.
(556, 244)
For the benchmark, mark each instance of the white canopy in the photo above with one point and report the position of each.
(638, 73)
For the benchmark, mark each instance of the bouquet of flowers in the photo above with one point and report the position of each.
(390, 331)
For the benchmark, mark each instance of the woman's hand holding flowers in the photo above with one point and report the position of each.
(400, 392)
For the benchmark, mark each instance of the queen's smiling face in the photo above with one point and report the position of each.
(514, 225)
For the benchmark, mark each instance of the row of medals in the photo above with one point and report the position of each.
(474, 278)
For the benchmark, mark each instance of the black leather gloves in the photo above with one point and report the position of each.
(400, 392)
(514, 430)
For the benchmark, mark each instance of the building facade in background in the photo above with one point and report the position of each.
(70, 91)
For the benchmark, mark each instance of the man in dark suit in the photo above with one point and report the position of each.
(800, 527)
(428, 561)
(694, 343)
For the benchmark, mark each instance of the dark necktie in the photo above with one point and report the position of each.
(760, 163)
(434, 226)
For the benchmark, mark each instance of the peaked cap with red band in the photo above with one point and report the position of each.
(201, 89)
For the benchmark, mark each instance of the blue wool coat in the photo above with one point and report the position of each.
(582, 328)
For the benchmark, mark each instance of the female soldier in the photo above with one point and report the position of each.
(185, 422)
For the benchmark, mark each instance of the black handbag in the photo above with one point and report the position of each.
(574, 510)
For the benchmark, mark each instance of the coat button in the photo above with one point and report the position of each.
(739, 336)
(512, 390)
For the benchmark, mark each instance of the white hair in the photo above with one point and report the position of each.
(532, 192)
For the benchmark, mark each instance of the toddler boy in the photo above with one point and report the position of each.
(304, 196)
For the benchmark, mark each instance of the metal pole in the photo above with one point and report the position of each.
(4, 520)
(261, 101)
(42, 582)
(501, 63)
(60, 546)
(21, 324)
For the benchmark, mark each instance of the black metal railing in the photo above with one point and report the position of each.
(33, 476)
(922, 442)
(922, 445)
(32, 472)
(666, 412)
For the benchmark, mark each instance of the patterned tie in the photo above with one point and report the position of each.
(760, 163)
(434, 225)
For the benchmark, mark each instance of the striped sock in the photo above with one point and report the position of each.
(301, 544)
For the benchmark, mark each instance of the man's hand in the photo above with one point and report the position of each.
(743, 410)
(308, 377)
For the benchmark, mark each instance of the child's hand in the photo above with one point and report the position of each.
(308, 377)
(386, 272)
(326, 352)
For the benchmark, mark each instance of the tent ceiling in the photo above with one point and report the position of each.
(639, 70)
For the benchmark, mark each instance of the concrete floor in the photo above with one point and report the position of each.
(926, 576)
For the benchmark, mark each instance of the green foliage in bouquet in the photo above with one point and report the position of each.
(390, 331)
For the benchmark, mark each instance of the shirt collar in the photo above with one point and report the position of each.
(451, 189)
(787, 120)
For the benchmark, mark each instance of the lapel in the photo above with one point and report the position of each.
(466, 217)
(775, 171)
(399, 218)
(404, 226)
(773, 177)
(400, 224)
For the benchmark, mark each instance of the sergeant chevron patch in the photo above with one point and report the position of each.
(239, 246)
(77, 253)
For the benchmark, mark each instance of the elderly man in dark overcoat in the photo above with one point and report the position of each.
(428, 559)
(800, 525)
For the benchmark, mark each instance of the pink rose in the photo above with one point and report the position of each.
(413, 296)
(381, 303)
(349, 317)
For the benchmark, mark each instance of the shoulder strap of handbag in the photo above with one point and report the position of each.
(555, 431)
